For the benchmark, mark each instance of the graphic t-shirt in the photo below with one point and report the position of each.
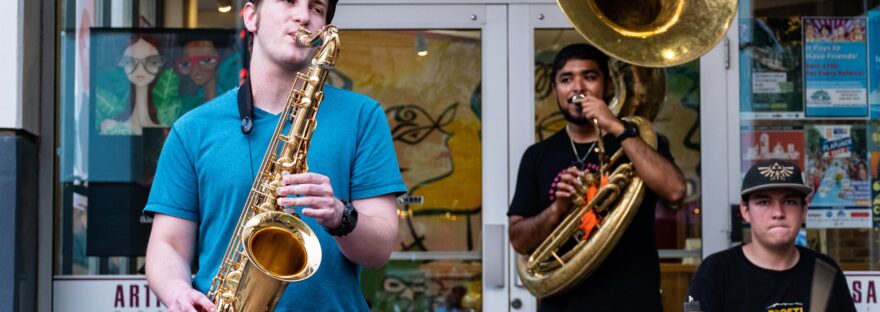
(629, 278)
(728, 281)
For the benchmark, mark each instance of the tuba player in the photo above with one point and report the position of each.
(629, 278)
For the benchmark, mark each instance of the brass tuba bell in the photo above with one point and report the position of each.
(656, 33)
(642, 38)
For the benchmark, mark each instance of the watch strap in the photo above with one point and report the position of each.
(629, 131)
(348, 222)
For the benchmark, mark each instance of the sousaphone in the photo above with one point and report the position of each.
(642, 38)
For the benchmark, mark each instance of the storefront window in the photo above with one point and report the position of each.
(127, 71)
(428, 82)
(808, 84)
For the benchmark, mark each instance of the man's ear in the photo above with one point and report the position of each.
(744, 211)
(249, 16)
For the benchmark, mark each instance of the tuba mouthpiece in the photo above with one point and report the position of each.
(577, 99)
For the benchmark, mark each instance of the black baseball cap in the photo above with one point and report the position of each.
(774, 174)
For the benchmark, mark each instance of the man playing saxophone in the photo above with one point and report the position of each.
(629, 279)
(211, 158)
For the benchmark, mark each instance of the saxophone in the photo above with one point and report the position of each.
(271, 248)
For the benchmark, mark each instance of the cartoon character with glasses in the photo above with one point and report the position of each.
(199, 62)
(141, 62)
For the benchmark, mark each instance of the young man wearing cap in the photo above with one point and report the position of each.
(770, 273)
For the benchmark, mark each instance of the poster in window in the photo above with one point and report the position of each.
(776, 142)
(874, 169)
(770, 52)
(837, 171)
(835, 61)
(143, 81)
(874, 62)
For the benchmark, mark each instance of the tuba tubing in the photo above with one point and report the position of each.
(545, 272)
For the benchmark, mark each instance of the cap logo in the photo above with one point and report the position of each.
(776, 171)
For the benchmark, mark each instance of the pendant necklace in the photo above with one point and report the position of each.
(579, 159)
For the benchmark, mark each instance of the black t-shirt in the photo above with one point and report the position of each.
(728, 281)
(629, 278)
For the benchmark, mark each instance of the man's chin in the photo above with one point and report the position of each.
(780, 241)
(580, 121)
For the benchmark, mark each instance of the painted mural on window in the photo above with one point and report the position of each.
(432, 103)
(428, 83)
(142, 81)
(148, 79)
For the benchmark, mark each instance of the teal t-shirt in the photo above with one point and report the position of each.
(207, 167)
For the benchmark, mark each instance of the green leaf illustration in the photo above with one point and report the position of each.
(166, 97)
(107, 106)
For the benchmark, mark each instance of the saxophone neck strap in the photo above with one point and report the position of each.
(246, 106)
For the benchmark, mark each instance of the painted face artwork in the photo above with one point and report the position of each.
(421, 143)
(199, 61)
(577, 76)
(141, 62)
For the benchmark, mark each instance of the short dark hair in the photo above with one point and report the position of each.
(331, 8)
(579, 51)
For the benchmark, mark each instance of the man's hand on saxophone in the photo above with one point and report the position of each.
(313, 191)
(374, 221)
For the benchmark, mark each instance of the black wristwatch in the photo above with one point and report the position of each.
(629, 130)
(348, 222)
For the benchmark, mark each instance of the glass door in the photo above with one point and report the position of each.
(436, 72)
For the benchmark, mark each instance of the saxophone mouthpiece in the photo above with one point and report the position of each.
(304, 37)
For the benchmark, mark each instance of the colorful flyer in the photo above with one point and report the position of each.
(838, 217)
(835, 67)
(874, 169)
(771, 67)
(874, 62)
(761, 143)
(837, 171)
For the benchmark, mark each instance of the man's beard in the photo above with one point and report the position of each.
(580, 121)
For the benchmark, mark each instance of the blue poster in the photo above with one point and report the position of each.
(874, 62)
(835, 67)
(837, 166)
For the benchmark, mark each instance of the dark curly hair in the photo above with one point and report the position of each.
(579, 51)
